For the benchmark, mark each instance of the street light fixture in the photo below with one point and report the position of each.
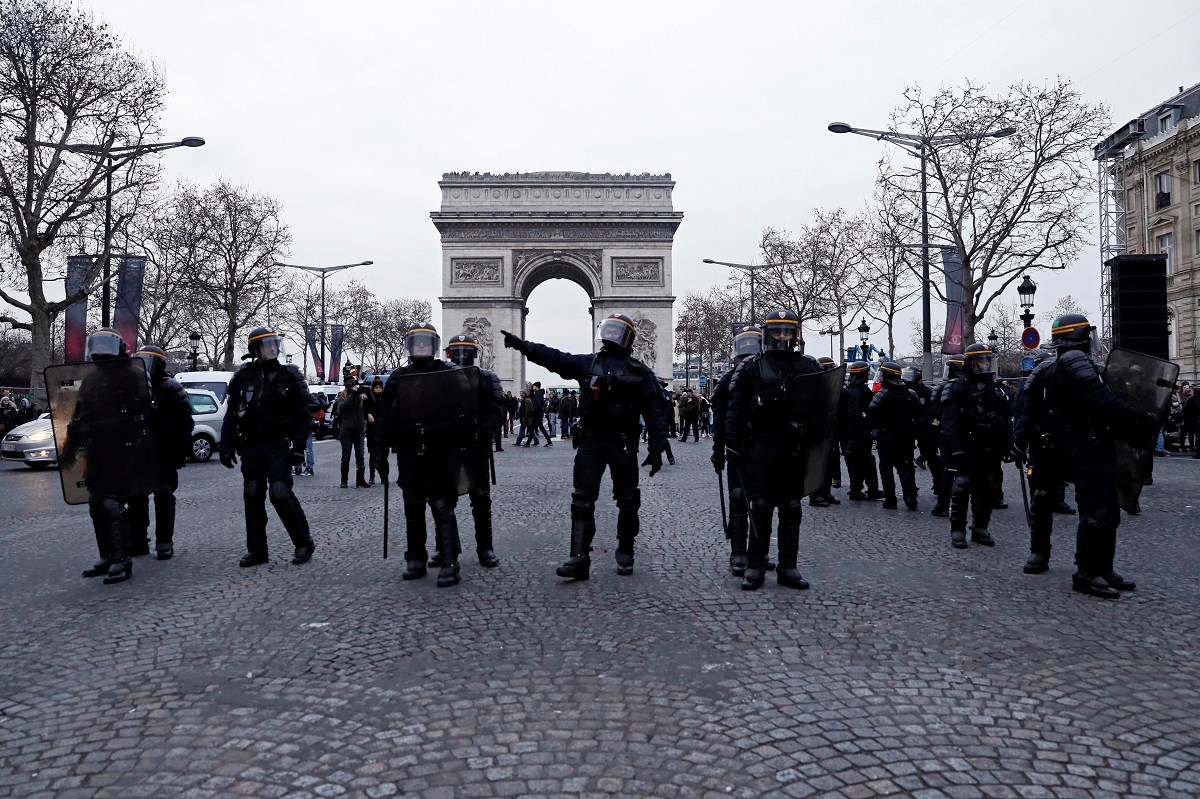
(864, 333)
(829, 331)
(107, 154)
(324, 272)
(993, 340)
(751, 268)
(919, 146)
(194, 337)
(1026, 291)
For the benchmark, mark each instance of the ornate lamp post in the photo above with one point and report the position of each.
(864, 332)
(1026, 291)
(194, 337)
(829, 331)
(919, 146)
(751, 268)
(123, 155)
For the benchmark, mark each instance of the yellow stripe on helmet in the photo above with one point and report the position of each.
(149, 352)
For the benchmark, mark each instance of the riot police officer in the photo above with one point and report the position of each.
(747, 342)
(761, 443)
(427, 470)
(614, 389)
(977, 426)
(107, 498)
(892, 417)
(823, 497)
(267, 422)
(942, 488)
(928, 456)
(171, 415)
(856, 435)
(463, 350)
(1069, 393)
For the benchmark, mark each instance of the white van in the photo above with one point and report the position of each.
(216, 382)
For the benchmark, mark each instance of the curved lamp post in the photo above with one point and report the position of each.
(919, 146)
(324, 272)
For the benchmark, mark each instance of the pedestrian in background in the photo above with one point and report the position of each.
(354, 414)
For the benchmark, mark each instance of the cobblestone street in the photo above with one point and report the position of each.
(909, 668)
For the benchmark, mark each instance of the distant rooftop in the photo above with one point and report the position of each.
(1152, 122)
(529, 177)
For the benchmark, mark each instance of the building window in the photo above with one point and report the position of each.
(1166, 122)
(1163, 198)
(1165, 244)
(1195, 174)
(1196, 234)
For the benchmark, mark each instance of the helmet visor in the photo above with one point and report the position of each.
(983, 364)
(778, 336)
(421, 343)
(463, 355)
(908, 374)
(102, 344)
(747, 342)
(267, 347)
(615, 331)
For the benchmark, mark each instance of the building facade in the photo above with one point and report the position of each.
(1150, 203)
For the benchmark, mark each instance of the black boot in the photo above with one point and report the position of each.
(304, 552)
(752, 579)
(359, 480)
(120, 566)
(1096, 586)
(1037, 563)
(445, 533)
(624, 563)
(583, 528)
(435, 560)
(789, 577)
(345, 477)
(1118, 582)
(164, 526)
(958, 539)
(980, 535)
(253, 559)
(940, 509)
(119, 571)
(101, 566)
(482, 516)
(737, 563)
(413, 570)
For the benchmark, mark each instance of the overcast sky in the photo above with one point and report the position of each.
(349, 113)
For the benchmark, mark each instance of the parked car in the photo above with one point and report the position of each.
(327, 395)
(216, 382)
(208, 414)
(31, 443)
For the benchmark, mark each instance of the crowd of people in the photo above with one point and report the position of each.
(781, 423)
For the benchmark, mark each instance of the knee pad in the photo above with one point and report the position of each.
(629, 500)
(759, 507)
(252, 490)
(583, 501)
(737, 495)
(1102, 518)
(793, 510)
(110, 508)
(442, 508)
(279, 491)
(962, 482)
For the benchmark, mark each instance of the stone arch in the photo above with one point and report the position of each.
(538, 268)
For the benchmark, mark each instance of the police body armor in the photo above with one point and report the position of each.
(434, 426)
(260, 395)
(611, 403)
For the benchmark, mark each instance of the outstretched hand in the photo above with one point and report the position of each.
(513, 342)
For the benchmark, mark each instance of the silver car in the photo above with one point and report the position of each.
(31, 443)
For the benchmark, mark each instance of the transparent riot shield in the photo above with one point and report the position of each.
(812, 407)
(100, 413)
(1145, 382)
(434, 423)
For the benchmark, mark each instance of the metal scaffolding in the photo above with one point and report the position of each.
(1110, 180)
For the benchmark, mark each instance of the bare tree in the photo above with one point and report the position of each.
(244, 237)
(1065, 304)
(838, 243)
(891, 279)
(64, 79)
(398, 314)
(1006, 205)
(797, 282)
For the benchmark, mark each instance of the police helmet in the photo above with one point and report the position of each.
(860, 373)
(422, 341)
(155, 359)
(826, 362)
(1071, 330)
(954, 366)
(747, 341)
(265, 344)
(979, 360)
(462, 349)
(890, 374)
(910, 375)
(781, 332)
(616, 331)
(104, 344)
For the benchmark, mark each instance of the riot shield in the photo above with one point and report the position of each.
(811, 403)
(1145, 382)
(100, 413)
(434, 423)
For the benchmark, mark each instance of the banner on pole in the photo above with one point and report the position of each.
(952, 270)
(336, 334)
(310, 338)
(130, 273)
(75, 317)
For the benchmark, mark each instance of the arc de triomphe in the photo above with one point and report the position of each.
(503, 235)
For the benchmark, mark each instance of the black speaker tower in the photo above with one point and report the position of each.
(1139, 303)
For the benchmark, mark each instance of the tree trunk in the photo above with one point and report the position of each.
(230, 336)
(40, 319)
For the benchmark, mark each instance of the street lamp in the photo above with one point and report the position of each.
(993, 340)
(829, 331)
(685, 328)
(194, 337)
(751, 268)
(864, 332)
(324, 271)
(918, 145)
(1026, 291)
(124, 155)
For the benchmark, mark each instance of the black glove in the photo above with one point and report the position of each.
(718, 459)
(733, 456)
(297, 457)
(654, 461)
(228, 460)
(513, 342)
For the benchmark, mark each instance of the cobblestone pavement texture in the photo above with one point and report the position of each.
(909, 668)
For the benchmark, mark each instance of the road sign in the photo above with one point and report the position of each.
(1030, 338)
(1027, 363)
(703, 382)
